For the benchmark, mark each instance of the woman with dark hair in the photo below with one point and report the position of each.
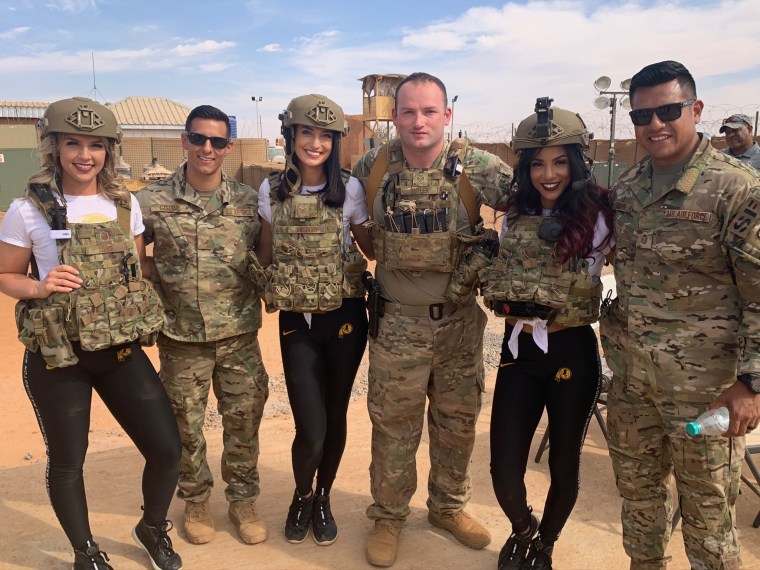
(546, 283)
(309, 215)
(83, 317)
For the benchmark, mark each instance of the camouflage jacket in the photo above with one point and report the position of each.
(490, 178)
(687, 267)
(201, 254)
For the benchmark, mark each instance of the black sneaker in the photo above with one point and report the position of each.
(322, 522)
(299, 516)
(515, 550)
(91, 558)
(539, 556)
(156, 542)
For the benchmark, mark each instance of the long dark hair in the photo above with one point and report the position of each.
(577, 208)
(334, 192)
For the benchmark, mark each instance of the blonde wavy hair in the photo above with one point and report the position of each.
(109, 182)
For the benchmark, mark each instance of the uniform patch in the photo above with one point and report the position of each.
(169, 208)
(563, 374)
(345, 329)
(243, 212)
(688, 215)
(745, 218)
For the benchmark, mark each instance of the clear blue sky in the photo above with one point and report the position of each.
(497, 56)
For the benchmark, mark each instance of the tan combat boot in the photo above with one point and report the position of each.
(251, 528)
(199, 526)
(382, 544)
(465, 529)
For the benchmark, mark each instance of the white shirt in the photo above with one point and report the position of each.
(25, 226)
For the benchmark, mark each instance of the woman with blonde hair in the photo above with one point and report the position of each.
(83, 315)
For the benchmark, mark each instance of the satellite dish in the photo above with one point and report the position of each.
(602, 102)
(602, 83)
(625, 85)
(625, 102)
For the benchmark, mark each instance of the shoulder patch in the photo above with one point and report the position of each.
(745, 218)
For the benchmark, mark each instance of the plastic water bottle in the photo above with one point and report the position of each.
(712, 422)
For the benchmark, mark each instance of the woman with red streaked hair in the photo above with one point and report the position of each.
(546, 283)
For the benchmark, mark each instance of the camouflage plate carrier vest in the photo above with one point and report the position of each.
(425, 202)
(312, 268)
(525, 271)
(114, 306)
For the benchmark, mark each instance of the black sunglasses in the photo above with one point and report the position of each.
(665, 113)
(197, 139)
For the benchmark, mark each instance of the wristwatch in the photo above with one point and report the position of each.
(751, 381)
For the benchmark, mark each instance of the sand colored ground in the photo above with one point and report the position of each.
(30, 536)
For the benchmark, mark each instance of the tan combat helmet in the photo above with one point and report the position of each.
(311, 111)
(551, 127)
(314, 111)
(80, 116)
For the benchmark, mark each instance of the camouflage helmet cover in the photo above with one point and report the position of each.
(314, 111)
(80, 116)
(564, 127)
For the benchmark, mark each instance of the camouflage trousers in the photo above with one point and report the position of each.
(414, 360)
(234, 368)
(648, 446)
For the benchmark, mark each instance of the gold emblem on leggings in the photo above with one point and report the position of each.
(563, 374)
(123, 354)
(345, 329)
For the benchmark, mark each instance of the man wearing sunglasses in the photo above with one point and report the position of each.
(683, 334)
(204, 226)
(741, 144)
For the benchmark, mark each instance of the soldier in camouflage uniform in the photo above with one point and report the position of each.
(684, 333)
(428, 346)
(204, 226)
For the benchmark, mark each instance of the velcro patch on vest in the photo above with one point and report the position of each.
(688, 215)
(105, 248)
(303, 229)
(239, 212)
(746, 218)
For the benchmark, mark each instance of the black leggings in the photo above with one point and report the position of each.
(566, 381)
(320, 365)
(127, 383)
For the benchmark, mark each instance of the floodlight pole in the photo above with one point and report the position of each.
(613, 116)
(258, 118)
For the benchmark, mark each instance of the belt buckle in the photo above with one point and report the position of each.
(436, 311)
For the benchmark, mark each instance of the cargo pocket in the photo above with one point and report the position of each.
(152, 317)
(24, 327)
(92, 315)
(50, 332)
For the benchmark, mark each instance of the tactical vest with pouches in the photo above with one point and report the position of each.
(526, 271)
(313, 270)
(114, 305)
(419, 231)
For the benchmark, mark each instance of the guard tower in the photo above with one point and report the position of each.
(377, 103)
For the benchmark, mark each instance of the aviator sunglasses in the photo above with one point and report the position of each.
(665, 113)
(197, 139)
